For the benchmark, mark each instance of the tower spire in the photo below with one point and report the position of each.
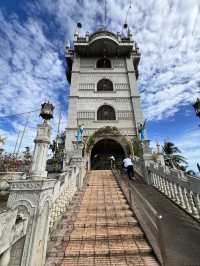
(105, 14)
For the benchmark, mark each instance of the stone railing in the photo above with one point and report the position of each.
(150, 219)
(138, 166)
(169, 233)
(182, 189)
(12, 175)
(12, 230)
(33, 205)
(16, 221)
(67, 185)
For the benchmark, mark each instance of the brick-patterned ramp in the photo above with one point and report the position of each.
(105, 231)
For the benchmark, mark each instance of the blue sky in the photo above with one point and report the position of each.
(32, 37)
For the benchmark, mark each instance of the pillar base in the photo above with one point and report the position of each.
(38, 176)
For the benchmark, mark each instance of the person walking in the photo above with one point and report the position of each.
(128, 164)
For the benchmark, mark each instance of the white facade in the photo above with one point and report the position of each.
(85, 100)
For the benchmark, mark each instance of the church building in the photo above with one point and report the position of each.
(104, 98)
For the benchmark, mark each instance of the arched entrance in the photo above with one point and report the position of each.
(102, 151)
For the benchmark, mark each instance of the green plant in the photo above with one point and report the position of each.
(172, 156)
(89, 143)
(136, 144)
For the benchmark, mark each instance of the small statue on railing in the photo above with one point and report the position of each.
(2, 142)
(52, 147)
(141, 130)
(79, 134)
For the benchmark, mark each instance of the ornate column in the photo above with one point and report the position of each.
(42, 140)
(78, 161)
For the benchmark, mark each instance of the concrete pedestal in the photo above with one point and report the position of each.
(42, 140)
(33, 200)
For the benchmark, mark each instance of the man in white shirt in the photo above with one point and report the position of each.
(128, 164)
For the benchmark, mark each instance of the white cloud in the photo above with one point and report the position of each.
(168, 36)
(31, 72)
(167, 32)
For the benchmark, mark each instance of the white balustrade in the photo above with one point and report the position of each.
(65, 192)
(181, 189)
(192, 204)
(197, 202)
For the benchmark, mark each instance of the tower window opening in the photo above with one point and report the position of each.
(106, 112)
(105, 85)
(103, 63)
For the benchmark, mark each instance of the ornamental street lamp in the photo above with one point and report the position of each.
(196, 106)
(47, 111)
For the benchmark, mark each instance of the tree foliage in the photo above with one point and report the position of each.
(172, 156)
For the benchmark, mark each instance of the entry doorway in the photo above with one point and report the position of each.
(102, 152)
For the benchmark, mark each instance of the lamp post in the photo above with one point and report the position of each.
(196, 106)
(42, 140)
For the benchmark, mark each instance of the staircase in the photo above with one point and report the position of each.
(104, 232)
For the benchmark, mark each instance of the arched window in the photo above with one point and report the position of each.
(105, 85)
(103, 63)
(106, 112)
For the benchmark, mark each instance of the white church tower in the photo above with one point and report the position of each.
(103, 73)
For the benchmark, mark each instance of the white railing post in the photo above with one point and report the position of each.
(186, 199)
(177, 196)
(192, 204)
(197, 202)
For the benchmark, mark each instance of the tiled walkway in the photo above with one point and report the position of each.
(105, 231)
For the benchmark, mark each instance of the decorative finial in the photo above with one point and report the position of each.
(158, 146)
(79, 25)
(196, 106)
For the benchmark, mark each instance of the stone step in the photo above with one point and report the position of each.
(103, 199)
(101, 247)
(105, 222)
(89, 233)
(111, 214)
(100, 231)
(105, 208)
(110, 247)
(106, 233)
(101, 202)
(106, 261)
(120, 221)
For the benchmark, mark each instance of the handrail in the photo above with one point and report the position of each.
(169, 232)
(150, 220)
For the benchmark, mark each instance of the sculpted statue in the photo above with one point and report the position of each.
(79, 134)
(141, 130)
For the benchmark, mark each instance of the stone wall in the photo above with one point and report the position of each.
(65, 188)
